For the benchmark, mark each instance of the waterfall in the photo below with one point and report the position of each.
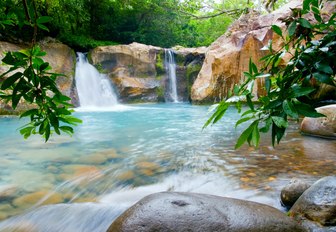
(170, 66)
(94, 89)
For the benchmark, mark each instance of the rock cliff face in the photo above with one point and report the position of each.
(138, 70)
(228, 57)
(62, 60)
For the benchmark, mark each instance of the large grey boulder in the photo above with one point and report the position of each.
(173, 211)
(316, 208)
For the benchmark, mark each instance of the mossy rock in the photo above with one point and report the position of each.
(159, 65)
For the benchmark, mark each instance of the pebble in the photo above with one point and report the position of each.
(31, 199)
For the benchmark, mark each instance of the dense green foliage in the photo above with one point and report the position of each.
(288, 87)
(29, 78)
(82, 24)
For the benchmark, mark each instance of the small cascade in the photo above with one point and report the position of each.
(94, 89)
(170, 66)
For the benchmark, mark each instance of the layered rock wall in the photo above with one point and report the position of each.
(228, 57)
(138, 70)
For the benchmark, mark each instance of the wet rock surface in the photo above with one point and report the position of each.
(291, 192)
(316, 208)
(173, 211)
(323, 126)
(139, 74)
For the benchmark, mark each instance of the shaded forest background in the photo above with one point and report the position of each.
(84, 24)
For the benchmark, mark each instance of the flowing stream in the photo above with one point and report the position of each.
(117, 157)
(170, 66)
(94, 89)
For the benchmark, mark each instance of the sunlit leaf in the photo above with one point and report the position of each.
(280, 122)
(243, 137)
(277, 30)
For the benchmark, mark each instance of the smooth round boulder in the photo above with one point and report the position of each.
(318, 204)
(174, 211)
(322, 126)
(291, 192)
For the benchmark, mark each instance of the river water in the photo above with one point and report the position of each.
(116, 157)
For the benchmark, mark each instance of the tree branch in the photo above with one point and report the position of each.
(228, 12)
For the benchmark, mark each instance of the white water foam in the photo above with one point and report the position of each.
(170, 66)
(94, 89)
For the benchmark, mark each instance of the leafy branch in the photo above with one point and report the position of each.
(29, 79)
(288, 87)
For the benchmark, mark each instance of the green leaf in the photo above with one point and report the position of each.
(280, 133)
(305, 23)
(292, 28)
(307, 110)
(277, 133)
(218, 114)
(249, 101)
(317, 14)
(268, 84)
(43, 19)
(247, 112)
(244, 136)
(248, 75)
(324, 78)
(9, 59)
(240, 121)
(280, 122)
(43, 27)
(273, 104)
(254, 67)
(298, 91)
(11, 80)
(289, 109)
(277, 30)
(26, 131)
(323, 67)
(53, 120)
(67, 129)
(268, 123)
(306, 6)
(15, 100)
(29, 113)
(72, 120)
(47, 132)
(255, 135)
(42, 127)
(44, 66)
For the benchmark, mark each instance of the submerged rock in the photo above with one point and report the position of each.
(173, 211)
(317, 206)
(40, 197)
(323, 126)
(291, 192)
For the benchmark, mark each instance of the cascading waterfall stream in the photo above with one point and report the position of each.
(170, 66)
(94, 89)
